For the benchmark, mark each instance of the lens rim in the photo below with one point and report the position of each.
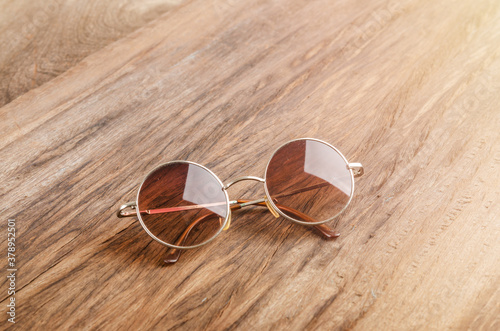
(228, 209)
(270, 200)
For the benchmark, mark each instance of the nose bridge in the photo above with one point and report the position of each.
(240, 179)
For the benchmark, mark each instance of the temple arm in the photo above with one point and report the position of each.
(123, 213)
(173, 254)
(356, 168)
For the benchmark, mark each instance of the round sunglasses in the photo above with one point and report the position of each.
(183, 205)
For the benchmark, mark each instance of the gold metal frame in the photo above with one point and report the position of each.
(130, 209)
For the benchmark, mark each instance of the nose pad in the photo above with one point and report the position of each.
(228, 224)
(271, 208)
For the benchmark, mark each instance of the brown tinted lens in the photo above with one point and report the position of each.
(310, 177)
(182, 204)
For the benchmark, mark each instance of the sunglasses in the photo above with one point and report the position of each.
(183, 205)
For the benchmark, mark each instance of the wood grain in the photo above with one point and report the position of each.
(42, 39)
(409, 89)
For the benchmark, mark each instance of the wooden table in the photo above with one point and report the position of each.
(94, 96)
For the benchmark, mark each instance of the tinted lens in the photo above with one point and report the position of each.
(310, 177)
(182, 204)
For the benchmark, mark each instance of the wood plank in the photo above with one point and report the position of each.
(42, 39)
(409, 90)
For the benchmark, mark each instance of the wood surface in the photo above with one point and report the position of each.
(42, 39)
(410, 89)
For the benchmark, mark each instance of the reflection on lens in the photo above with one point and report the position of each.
(182, 204)
(310, 177)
